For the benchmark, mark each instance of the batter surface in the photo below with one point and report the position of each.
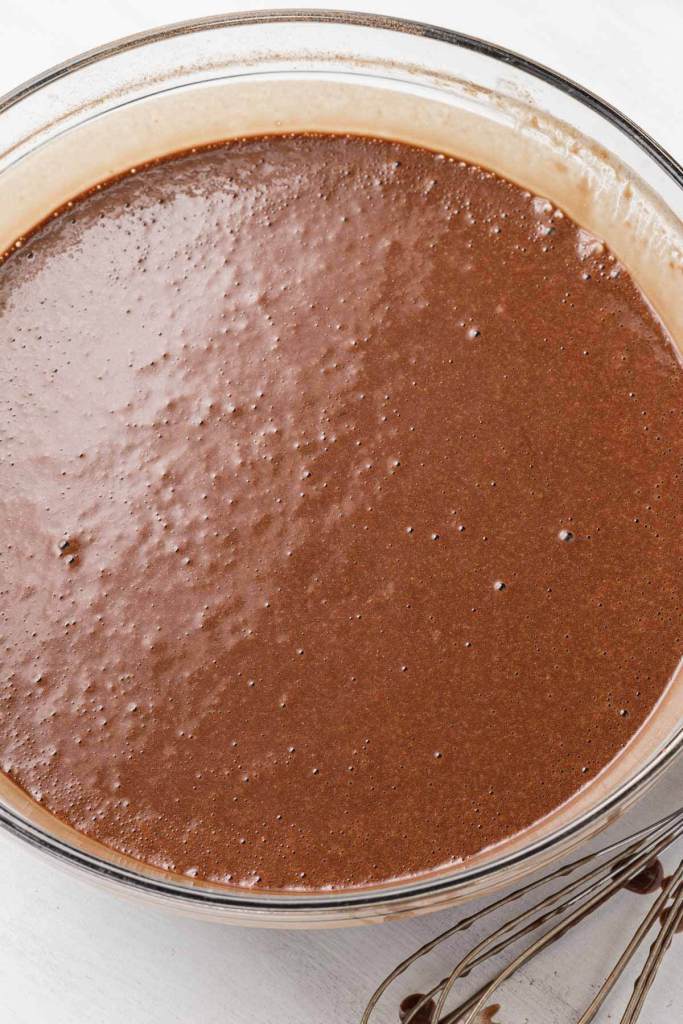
(341, 511)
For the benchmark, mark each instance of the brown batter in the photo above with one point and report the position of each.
(341, 504)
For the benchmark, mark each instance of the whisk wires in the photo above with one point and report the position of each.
(608, 870)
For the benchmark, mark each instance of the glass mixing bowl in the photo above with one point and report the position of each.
(253, 73)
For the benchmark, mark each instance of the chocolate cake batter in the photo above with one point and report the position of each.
(341, 511)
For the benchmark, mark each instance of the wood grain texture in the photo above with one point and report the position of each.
(71, 954)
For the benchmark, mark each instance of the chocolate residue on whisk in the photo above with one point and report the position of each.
(488, 1013)
(663, 918)
(327, 466)
(665, 882)
(423, 1015)
(648, 880)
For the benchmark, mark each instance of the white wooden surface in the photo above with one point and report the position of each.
(70, 954)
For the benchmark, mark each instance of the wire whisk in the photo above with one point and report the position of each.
(595, 878)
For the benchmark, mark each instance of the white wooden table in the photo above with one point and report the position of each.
(72, 955)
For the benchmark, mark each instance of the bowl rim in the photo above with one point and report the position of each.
(361, 19)
(397, 891)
